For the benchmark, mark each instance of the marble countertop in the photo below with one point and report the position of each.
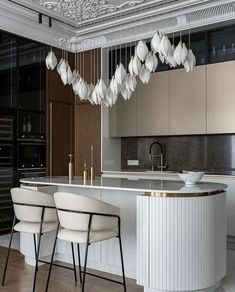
(170, 172)
(135, 185)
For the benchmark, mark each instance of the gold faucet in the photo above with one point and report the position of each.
(161, 156)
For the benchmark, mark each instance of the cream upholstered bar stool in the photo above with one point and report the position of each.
(86, 220)
(36, 214)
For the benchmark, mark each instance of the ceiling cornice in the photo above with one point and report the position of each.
(141, 24)
(24, 22)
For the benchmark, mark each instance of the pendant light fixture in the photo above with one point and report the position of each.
(141, 62)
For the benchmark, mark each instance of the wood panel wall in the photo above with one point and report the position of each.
(60, 121)
(87, 132)
(61, 137)
(87, 117)
(72, 127)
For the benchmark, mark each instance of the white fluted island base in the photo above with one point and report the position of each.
(181, 231)
(210, 289)
(181, 243)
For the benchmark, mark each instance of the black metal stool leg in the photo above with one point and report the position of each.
(74, 265)
(8, 252)
(84, 270)
(35, 248)
(122, 263)
(37, 258)
(38, 249)
(86, 254)
(79, 263)
(52, 258)
(121, 254)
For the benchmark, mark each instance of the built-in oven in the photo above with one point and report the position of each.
(31, 172)
(31, 155)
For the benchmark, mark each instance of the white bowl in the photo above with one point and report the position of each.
(190, 177)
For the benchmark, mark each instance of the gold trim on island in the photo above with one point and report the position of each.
(182, 195)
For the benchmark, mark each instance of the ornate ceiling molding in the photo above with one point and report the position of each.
(128, 24)
(80, 10)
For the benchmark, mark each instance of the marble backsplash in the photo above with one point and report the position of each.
(209, 153)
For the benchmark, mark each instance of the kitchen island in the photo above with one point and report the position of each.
(174, 237)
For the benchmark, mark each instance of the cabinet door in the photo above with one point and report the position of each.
(87, 133)
(60, 137)
(153, 106)
(188, 101)
(221, 98)
(8, 70)
(32, 76)
(122, 117)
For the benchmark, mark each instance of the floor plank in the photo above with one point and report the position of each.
(20, 278)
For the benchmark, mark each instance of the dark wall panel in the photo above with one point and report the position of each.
(210, 153)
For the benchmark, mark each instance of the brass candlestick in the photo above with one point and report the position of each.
(85, 173)
(92, 168)
(71, 168)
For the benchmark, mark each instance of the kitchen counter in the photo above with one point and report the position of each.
(131, 185)
(174, 237)
(166, 172)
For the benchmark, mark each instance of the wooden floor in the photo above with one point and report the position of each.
(20, 278)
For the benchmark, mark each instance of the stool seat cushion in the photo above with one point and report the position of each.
(81, 236)
(75, 221)
(30, 227)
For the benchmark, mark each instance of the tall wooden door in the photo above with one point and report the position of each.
(87, 133)
(61, 136)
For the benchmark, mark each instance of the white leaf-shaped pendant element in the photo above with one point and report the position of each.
(126, 94)
(151, 62)
(83, 90)
(144, 74)
(120, 74)
(165, 46)
(184, 54)
(51, 60)
(132, 83)
(69, 75)
(142, 50)
(130, 66)
(178, 54)
(102, 88)
(114, 86)
(136, 65)
(155, 43)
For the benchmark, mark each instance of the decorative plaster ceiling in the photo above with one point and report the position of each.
(103, 23)
(80, 10)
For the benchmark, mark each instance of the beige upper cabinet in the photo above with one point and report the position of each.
(188, 101)
(122, 117)
(153, 105)
(179, 103)
(221, 98)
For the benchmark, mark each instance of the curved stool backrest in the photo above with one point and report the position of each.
(75, 221)
(28, 205)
